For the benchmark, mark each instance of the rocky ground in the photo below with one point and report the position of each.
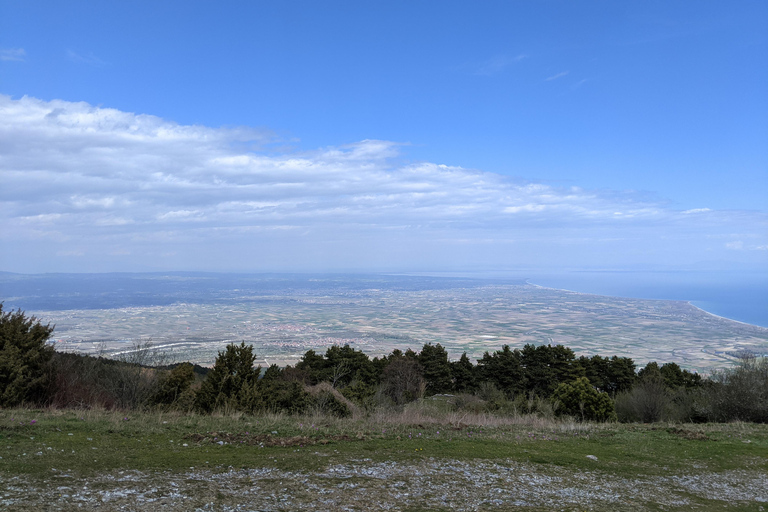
(428, 484)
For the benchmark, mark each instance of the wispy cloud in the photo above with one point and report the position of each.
(89, 58)
(558, 75)
(497, 64)
(146, 188)
(13, 54)
(579, 83)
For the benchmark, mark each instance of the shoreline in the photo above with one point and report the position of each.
(689, 302)
(725, 317)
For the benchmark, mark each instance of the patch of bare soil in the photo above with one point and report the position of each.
(366, 485)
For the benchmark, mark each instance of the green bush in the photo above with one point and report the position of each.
(463, 375)
(173, 386)
(361, 394)
(278, 396)
(436, 369)
(580, 399)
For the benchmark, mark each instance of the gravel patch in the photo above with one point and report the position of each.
(365, 485)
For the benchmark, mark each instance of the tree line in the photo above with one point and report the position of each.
(546, 380)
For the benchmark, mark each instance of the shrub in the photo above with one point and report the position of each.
(579, 398)
(25, 357)
(463, 375)
(82, 382)
(534, 404)
(131, 378)
(329, 401)
(361, 394)
(277, 395)
(739, 393)
(504, 369)
(232, 381)
(465, 402)
(647, 402)
(173, 386)
(493, 397)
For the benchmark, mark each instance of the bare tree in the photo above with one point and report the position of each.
(340, 371)
(133, 380)
(402, 380)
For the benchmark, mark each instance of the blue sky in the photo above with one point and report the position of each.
(383, 135)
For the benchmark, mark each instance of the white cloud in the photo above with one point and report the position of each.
(101, 181)
(89, 58)
(13, 54)
(497, 64)
(555, 77)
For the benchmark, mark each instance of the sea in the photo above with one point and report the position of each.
(741, 296)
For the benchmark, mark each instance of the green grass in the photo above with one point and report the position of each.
(39, 444)
(87, 442)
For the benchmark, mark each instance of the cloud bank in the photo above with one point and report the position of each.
(88, 188)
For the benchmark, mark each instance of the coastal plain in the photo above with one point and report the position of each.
(377, 318)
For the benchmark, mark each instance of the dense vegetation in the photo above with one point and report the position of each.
(545, 380)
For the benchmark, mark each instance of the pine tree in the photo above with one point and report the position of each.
(25, 359)
(232, 381)
(436, 369)
(463, 374)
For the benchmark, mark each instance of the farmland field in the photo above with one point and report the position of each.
(192, 317)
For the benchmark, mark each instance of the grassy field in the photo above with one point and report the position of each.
(423, 458)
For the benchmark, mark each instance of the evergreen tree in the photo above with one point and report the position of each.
(676, 377)
(436, 369)
(612, 375)
(504, 370)
(463, 375)
(314, 366)
(232, 381)
(621, 375)
(25, 358)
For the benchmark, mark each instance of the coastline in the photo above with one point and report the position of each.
(752, 304)
(726, 318)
